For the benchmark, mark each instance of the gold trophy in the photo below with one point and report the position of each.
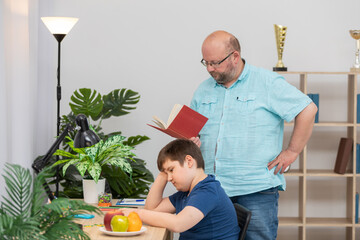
(355, 34)
(280, 33)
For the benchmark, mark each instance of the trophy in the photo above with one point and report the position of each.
(280, 33)
(355, 34)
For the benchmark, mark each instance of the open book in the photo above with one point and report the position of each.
(183, 122)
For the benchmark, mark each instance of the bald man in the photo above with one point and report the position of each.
(243, 138)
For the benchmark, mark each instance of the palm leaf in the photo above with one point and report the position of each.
(86, 102)
(119, 102)
(18, 181)
(44, 221)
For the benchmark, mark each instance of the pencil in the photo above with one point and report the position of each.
(113, 207)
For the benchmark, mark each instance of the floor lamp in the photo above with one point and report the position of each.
(59, 27)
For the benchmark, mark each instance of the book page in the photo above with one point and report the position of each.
(174, 112)
(159, 122)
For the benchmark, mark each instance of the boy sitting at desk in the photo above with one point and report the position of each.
(203, 210)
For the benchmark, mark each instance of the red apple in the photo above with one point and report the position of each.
(108, 216)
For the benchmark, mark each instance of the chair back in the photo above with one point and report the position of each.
(243, 216)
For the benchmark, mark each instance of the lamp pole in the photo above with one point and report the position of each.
(59, 27)
(59, 38)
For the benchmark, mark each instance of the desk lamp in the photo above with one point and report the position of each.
(83, 138)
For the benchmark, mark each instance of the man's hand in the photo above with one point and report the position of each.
(196, 140)
(282, 161)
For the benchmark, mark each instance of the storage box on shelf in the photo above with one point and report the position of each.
(306, 174)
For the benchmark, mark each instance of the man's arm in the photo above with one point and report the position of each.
(155, 200)
(303, 126)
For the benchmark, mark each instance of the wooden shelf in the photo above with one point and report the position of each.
(327, 173)
(323, 73)
(290, 221)
(329, 222)
(303, 172)
(329, 124)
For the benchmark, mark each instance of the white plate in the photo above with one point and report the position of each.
(102, 229)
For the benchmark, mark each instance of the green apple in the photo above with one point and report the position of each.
(108, 216)
(119, 223)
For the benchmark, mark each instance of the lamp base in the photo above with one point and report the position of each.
(279, 69)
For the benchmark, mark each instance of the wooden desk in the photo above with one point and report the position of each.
(91, 227)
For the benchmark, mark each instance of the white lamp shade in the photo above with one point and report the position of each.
(59, 25)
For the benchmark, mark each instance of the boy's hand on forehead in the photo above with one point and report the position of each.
(163, 176)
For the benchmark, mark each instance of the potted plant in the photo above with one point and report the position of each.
(96, 108)
(90, 161)
(24, 213)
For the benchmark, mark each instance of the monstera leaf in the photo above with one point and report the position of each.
(119, 101)
(86, 102)
(135, 140)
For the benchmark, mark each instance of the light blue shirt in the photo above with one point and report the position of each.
(245, 128)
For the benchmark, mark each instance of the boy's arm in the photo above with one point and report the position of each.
(180, 222)
(155, 200)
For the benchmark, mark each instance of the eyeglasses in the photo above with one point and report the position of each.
(214, 64)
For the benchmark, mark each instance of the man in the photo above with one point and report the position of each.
(242, 140)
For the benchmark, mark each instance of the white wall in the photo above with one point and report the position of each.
(153, 47)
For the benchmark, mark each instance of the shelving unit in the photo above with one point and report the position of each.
(303, 174)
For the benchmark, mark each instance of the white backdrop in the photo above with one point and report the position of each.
(152, 47)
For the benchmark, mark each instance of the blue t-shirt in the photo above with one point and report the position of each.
(245, 128)
(219, 222)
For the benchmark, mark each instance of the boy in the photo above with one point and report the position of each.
(203, 210)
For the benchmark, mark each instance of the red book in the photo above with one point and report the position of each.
(183, 122)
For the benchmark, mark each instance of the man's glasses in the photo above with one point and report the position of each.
(215, 64)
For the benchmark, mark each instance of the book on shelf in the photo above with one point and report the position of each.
(357, 207)
(358, 108)
(315, 98)
(183, 122)
(343, 155)
(357, 158)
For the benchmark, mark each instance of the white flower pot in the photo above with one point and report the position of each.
(91, 190)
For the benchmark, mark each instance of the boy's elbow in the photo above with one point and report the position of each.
(177, 228)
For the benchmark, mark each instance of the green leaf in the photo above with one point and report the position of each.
(82, 167)
(119, 102)
(94, 171)
(18, 181)
(30, 217)
(135, 140)
(86, 102)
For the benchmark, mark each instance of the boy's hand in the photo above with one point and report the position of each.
(163, 176)
(127, 211)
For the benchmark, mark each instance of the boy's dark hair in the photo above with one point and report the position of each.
(177, 150)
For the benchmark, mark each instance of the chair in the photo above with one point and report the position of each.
(243, 216)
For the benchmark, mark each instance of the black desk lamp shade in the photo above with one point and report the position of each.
(83, 138)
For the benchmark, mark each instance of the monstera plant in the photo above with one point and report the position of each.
(25, 215)
(97, 108)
